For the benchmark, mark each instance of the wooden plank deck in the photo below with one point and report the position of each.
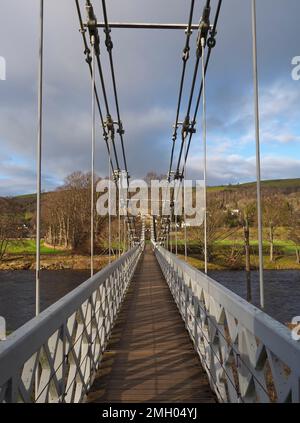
(150, 357)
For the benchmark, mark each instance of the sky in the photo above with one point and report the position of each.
(148, 68)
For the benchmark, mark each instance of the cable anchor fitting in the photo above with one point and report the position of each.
(109, 123)
(185, 127)
(211, 41)
(116, 175)
(178, 176)
(108, 40)
(120, 129)
(204, 27)
(170, 174)
(92, 28)
(186, 54)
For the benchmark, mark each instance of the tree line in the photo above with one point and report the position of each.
(66, 217)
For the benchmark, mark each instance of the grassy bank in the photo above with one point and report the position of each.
(280, 263)
(228, 252)
(27, 246)
(21, 255)
(54, 262)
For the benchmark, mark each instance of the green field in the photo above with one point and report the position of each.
(281, 241)
(27, 246)
(287, 247)
(291, 184)
(217, 263)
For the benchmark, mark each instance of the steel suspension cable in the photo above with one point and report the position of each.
(186, 123)
(92, 17)
(107, 108)
(109, 46)
(190, 127)
(176, 235)
(93, 153)
(258, 164)
(184, 207)
(109, 208)
(93, 31)
(119, 217)
(193, 123)
(185, 57)
(39, 159)
(179, 191)
(88, 61)
(39, 172)
(204, 27)
(204, 155)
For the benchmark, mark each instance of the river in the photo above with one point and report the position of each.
(282, 290)
(17, 291)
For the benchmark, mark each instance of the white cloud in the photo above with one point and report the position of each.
(148, 66)
(236, 168)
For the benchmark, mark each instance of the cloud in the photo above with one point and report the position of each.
(148, 67)
(239, 169)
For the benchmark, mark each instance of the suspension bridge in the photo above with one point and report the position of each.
(149, 327)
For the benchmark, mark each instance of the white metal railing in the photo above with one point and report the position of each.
(54, 357)
(247, 355)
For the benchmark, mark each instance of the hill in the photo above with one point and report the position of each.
(286, 186)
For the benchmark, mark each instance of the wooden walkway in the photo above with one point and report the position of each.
(150, 357)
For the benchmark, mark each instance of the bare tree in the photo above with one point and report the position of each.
(151, 176)
(66, 214)
(247, 210)
(9, 226)
(216, 227)
(294, 231)
(276, 212)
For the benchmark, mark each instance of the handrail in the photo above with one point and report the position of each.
(65, 342)
(248, 356)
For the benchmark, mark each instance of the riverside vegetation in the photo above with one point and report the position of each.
(232, 228)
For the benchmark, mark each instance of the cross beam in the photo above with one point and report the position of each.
(146, 25)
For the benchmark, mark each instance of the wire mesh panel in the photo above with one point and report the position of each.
(248, 356)
(54, 357)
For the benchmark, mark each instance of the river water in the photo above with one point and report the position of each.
(17, 291)
(282, 290)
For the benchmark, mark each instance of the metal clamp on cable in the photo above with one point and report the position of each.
(192, 129)
(120, 129)
(105, 135)
(185, 127)
(110, 126)
(170, 174)
(186, 54)
(87, 51)
(211, 41)
(108, 40)
(177, 175)
(116, 175)
(88, 57)
(92, 27)
(204, 27)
